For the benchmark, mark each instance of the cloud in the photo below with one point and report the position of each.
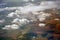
(14, 14)
(16, 23)
(11, 14)
(48, 3)
(26, 0)
(43, 5)
(32, 0)
(28, 13)
(2, 21)
(20, 21)
(31, 7)
(7, 8)
(9, 27)
(42, 25)
(43, 16)
(11, 1)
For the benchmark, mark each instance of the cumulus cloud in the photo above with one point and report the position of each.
(57, 19)
(43, 16)
(48, 3)
(11, 14)
(9, 27)
(7, 8)
(26, 0)
(20, 21)
(32, 0)
(2, 21)
(29, 13)
(16, 23)
(42, 25)
(43, 5)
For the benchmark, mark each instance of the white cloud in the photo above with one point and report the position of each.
(26, 0)
(16, 23)
(2, 21)
(43, 16)
(48, 3)
(41, 19)
(57, 19)
(32, 0)
(20, 21)
(14, 26)
(11, 14)
(9, 27)
(15, 20)
(42, 25)
(44, 5)
(24, 13)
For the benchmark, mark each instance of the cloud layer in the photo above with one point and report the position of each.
(29, 13)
